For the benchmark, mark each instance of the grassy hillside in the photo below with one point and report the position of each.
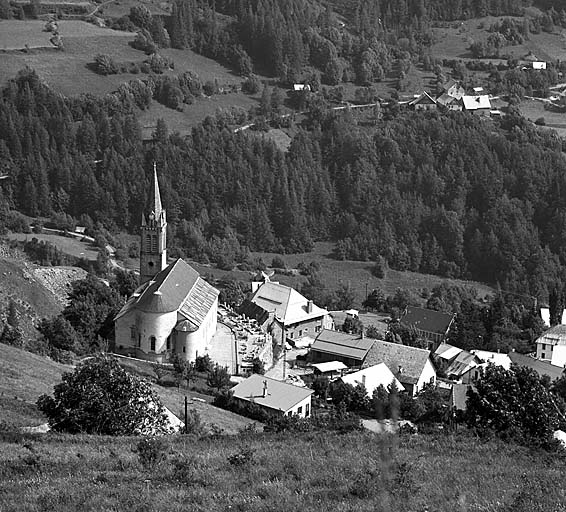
(291, 472)
(23, 378)
(356, 274)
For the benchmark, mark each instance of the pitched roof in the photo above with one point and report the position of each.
(280, 396)
(464, 362)
(331, 366)
(553, 336)
(425, 97)
(155, 196)
(251, 310)
(178, 287)
(411, 360)
(446, 351)
(476, 102)
(541, 367)
(446, 99)
(495, 358)
(288, 304)
(372, 377)
(342, 344)
(427, 319)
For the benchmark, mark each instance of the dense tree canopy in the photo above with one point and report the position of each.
(100, 397)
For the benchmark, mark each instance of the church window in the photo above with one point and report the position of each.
(132, 332)
(183, 349)
(139, 340)
(169, 342)
(152, 343)
(153, 243)
(148, 241)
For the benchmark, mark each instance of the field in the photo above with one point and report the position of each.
(354, 472)
(65, 244)
(533, 110)
(334, 273)
(452, 41)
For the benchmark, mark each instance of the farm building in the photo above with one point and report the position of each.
(551, 345)
(349, 349)
(477, 104)
(372, 377)
(424, 102)
(275, 396)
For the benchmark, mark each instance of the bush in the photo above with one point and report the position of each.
(251, 85)
(105, 65)
(244, 456)
(100, 397)
(152, 451)
(540, 121)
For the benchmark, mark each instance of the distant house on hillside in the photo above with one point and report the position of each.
(551, 346)
(450, 102)
(410, 365)
(456, 364)
(350, 349)
(274, 396)
(477, 104)
(539, 65)
(301, 87)
(424, 102)
(372, 377)
(430, 325)
(453, 89)
(284, 312)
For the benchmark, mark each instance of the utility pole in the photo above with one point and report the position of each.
(186, 414)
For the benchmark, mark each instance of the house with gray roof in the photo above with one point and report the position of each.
(274, 396)
(350, 349)
(285, 313)
(410, 365)
(428, 324)
(551, 346)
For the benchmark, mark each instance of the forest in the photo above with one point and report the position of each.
(448, 194)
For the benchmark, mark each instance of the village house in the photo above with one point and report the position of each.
(453, 89)
(372, 377)
(450, 102)
(432, 326)
(479, 104)
(275, 396)
(174, 311)
(350, 349)
(284, 312)
(551, 346)
(423, 102)
(410, 365)
(457, 364)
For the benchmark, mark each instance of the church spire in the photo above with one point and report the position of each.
(155, 197)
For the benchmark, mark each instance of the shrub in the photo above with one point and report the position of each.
(244, 456)
(540, 121)
(100, 397)
(152, 451)
(251, 85)
(105, 65)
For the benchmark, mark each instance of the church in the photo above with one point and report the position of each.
(174, 311)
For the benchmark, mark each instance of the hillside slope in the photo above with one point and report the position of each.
(23, 378)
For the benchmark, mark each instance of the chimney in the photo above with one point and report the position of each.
(362, 335)
(309, 306)
(400, 369)
(264, 388)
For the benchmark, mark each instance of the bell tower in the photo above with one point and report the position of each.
(153, 247)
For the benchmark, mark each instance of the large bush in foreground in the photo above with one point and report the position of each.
(100, 397)
(517, 405)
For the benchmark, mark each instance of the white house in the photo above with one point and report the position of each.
(551, 346)
(410, 365)
(372, 377)
(275, 396)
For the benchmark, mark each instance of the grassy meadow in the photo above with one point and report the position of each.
(335, 273)
(65, 244)
(351, 472)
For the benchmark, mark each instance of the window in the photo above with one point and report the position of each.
(543, 355)
(317, 328)
(133, 332)
(307, 410)
(544, 346)
(306, 329)
(153, 243)
(152, 343)
(300, 410)
(147, 242)
(301, 332)
(169, 342)
(183, 349)
(139, 340)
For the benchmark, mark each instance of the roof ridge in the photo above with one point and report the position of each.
(401, 345)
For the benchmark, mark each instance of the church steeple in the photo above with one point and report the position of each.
(153, 247)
